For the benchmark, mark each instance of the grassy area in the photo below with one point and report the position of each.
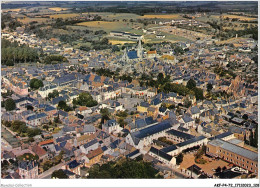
(64, 16)
(229, 41)
(168, 37)
(13, 141)
(118, 16)
(56, 130)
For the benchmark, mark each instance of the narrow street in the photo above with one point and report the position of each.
(48, 173)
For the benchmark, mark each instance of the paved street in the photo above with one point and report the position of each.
(47, 174)
(174, 171)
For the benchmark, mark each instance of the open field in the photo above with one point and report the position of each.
(58, 9)
(27, 20)
(230, 16)
(13, 10)
(109, 26)
(162, 16)
(239, 17)
(229, 41)
(64, 16)
(119, 16)
(114, 42)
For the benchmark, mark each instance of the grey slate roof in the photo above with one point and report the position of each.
(196, 139)
(169, 148)
(150, 131)
(180, 134)
(36, 116)
(223, 135)
(195, 110)
(235, 149)
(161, 154)
(29, 164)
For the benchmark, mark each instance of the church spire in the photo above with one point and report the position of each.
(140, 50)
(124, 57)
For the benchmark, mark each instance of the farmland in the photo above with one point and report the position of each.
(118, 16)
(115, 42)
(27, 20)
(64, 16)
(162, 16)
(230, 16)
(58, 9)
(12, 10)
(107, 26)
(239, 17)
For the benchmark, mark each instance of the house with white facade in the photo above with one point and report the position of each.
(111, 126)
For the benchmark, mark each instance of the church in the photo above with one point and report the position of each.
(133, 55)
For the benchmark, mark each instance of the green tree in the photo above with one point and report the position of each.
(209, 87)
(198, 93)
(85, 99)
(54, 94)
(62, 105)
(187, 103)
(179, 158)
(47, 165)
(9, 104)
(35, 83)
(218, 169)
(160, 78)
(255, 140)
(28, 156)
(59, 174)
(191, 84)
(105, 114)
(124, 168)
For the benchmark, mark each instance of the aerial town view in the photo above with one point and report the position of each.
(129, 90)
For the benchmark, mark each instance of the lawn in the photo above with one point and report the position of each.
(162, 16)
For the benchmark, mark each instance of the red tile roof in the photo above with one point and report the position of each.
(46, 142)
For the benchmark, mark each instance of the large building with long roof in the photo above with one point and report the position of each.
(235, 154)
